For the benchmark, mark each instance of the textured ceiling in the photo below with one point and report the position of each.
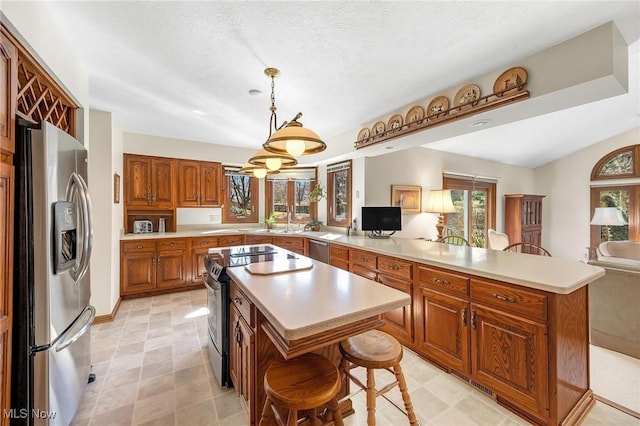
(184, 69)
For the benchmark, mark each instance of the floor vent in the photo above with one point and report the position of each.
(481, 388)
(459, 375)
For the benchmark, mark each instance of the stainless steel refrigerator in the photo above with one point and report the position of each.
(52, 314)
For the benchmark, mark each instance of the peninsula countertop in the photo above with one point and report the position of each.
(552, 274)
(306, 302)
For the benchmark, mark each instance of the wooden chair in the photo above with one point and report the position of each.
(455, 240)
(372, 350)
(305, 383)
(497, 240)
(527, 248)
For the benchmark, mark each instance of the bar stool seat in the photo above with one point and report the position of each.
(372, 350)
(306, 383)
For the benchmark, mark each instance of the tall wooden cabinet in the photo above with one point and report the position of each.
(149, 181)
(523, 218)
(8, 94)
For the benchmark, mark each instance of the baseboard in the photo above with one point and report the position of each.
(580, 409)
(109, 317)
(617, 406)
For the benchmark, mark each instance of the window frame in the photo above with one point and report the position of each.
(313, 206)
(471, 184)
(226, 207)
(331, 195)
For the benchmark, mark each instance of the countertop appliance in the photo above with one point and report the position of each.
(216, 282)
(142, 226)
(52, 314)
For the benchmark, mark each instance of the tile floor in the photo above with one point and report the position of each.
(152, 369)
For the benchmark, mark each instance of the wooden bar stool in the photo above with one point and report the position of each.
(305, 383)
(376, 349)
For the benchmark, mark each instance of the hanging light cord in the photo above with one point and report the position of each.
(273, 121)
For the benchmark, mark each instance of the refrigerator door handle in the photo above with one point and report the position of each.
(71, 334)
(79, 327)
(77, 184)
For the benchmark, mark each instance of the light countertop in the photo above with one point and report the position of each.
(553, 274)
(306, 302)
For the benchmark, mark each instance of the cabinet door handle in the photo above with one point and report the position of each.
(394, 267)
(139, 247)
(153, 261)
(238, 333)
(463, 316)
(504, 297)
(204, 243)
(153, 198)
(158, 261)
(172, 244)
(442, 282)
(362, 259)
(237, 300)
(474, 320)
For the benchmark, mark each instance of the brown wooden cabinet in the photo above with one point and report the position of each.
(242, 347)
(523, 218)
(294, 244)
(258, 239)
(339, 256)
(392, 272)
(8, 92)
(148, 265)
(199, 184)
(6, 283)
(230, 240)
(149, 182)
(199, 248)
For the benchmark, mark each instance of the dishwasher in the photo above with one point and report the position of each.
(319, 250)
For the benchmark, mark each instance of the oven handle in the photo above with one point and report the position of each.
(210, 282)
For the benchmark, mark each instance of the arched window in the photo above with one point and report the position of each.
(615, 182)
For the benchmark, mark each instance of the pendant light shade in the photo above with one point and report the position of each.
(257, 171)
(295, 140)
(271, 161)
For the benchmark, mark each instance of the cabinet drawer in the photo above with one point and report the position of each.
(140, 246)
(339, 252)
(363, 258)
(509, 298)
(204, 242)
(171, 244)
(258, 239)
(397, 267)
(289, 242)
(339, 264)
(363, 271)
(243, 304)
(443, 281)
(230, 240)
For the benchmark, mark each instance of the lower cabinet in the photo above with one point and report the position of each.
(199, 249)
(148, 265)
(294, 244)
(339, 256)
(241, 347)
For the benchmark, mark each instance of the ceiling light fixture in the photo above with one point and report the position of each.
(272, 161)
(480, 123)
(257, 171)
(289, 138)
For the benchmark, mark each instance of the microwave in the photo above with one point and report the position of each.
(142, 226)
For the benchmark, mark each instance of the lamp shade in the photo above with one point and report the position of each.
(610, 216)
(257, 171)
(295, 140)
(272, 161)
(440, 201)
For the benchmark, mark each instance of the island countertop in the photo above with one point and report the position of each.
(303, 303)
(552, 274)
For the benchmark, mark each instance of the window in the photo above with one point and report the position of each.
(289, 191)
(240, 197)
(616, 183)
(339, 194)
(475, 203)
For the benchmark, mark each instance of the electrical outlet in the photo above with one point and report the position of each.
(212, 218)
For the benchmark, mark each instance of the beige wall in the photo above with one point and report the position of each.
(424, 167)
(566, 207)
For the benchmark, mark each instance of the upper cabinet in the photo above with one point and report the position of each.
(149, 181)
(199, 184)
(8, 92)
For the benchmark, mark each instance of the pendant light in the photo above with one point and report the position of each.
(290, 138)
(257, 171)
(272, 161)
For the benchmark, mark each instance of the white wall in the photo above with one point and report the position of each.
(566, 186)
(107, 216)
(424, 167)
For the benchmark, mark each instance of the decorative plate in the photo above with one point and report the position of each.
(415, 114)
(378, 129)
(437, 105)
(467, 93)
(395, 122)
(364, 134)
(510, 79)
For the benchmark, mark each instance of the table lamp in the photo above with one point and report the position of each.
(607, 217)
(440, 202)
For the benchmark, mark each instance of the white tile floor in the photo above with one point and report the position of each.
(152, 369)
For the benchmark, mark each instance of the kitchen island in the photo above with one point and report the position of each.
(287, 314)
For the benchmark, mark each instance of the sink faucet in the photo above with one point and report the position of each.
(288, 221)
